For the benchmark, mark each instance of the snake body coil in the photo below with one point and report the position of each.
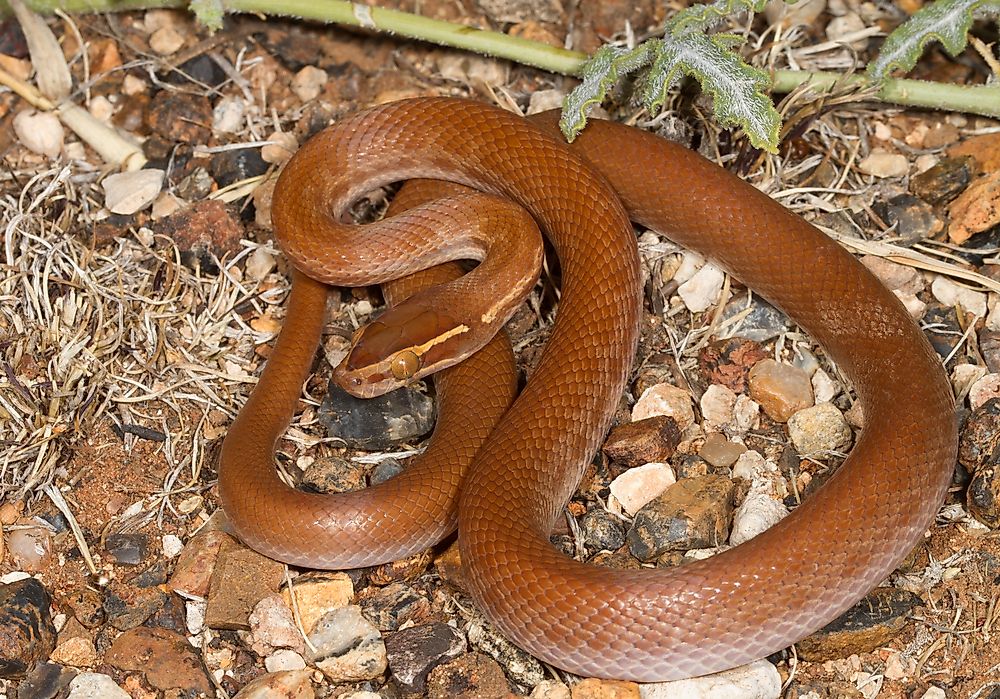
(645, 625)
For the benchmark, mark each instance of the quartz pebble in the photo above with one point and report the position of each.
(40, 132)
(93, 685)
(550, 689)
(639, 485)
(701, 291)
(286, 684)
(781, 389)
(128, 192)
(951, 294)
(228, 114)
(272, 625)
(166, 41)
(412, 653)
(719, 451)
(881, 163)
(283, 660)
(664, 399)
(819, 428)
(348, 648)
(757, 513)
(758, 680)
(717, 406)
(317, 593)
(30, 548)
(308, 83)
(984, 389)
(825, 389)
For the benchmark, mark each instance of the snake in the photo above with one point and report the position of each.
(701, 617)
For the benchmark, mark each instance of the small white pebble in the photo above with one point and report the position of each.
(40, 132)
(281, 147)
(881, 163)
(757, 513)
(308, 83)
(934, 693)
(172, 545)
(283, 659)
(260, 263)
(129, 192)
(701, 292)
(717, 405)
(690, 263)
(758, 680)
(166, 41)
(228, 115)
(825, 389)
(100, 108)
(914, 306)
(639, 485)
(982, 390)
(665, 399)
(951, 294)
(133, 85)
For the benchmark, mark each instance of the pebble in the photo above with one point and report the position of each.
(984, 389)
(93, 685)
(602, 531)
(519, 665)
(260, 263)
(229, 114)
(989, 342)
(281, 147)
(200, 69)
(164, 659)
(193, 572)
(127, 549)
(241, 578)
(128, 605)
(284, 684)
(951, 294)
(693, 513)
(979, 441)
(550, 689)
(983, 497)
(179, 117)
(869, 624)
(762, 474)
(272, 625)
(762, 322)
(894, 276)
(386, 469)
(728, 362)
(332, 474)
(701, 292)
(317, 593)
(376, 424)
(470, 676)
(412, 653)
(780, 389)
(653, 439)
(171, 545)
(308, 83)
(27, 634)
(824, 388)
(75, 652)
(665, 399)
(31, 548)
(637, 486)
(977, 209)
(818, 429)
(397, 604)
(129, 192)
(595, 688)
(758, 680)
(719, 451)
(45, 681)
(283, 660)
(40, 132)
(166, 41)
(938, 693)
(803, 13)
(717, 406)
(348, 648)
(757, 513)
(881, 163)
(943, 181)
(401, 570)
(914, 219)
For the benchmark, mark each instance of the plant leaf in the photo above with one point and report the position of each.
(705, 17)
(209, 13)
(946, 21)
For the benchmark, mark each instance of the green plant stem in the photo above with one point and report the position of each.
(977, 99)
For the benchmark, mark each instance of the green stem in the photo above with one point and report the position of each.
(977, 99)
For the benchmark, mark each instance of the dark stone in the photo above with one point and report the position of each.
(87, 606)
(989, 345)
(394, 605)
(414, 652)
(236, 165)
(332, 474)
(983, 497)
(728, 362)
(914, 219)
(602, 531)
(127, 549)
(180, 117)
(942, 328)
(385, 470)
(761, 324)
(45, 681)
(943, 181)
(171, 616)
(27, 635)
(12, 41)
(979, 443)
(376, 423)
(128, 607)
(868, 625)
(153, 575)
(644, 441)
(195, 185)
(471, 676)
(57, 520)
(201, 69)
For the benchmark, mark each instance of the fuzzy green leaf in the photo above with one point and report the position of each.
(946, 21)
(209, 13)
(604, 69)
(705, 17)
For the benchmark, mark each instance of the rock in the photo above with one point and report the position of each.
(758, 680)
(746, 415)
(201, 228)
(289, 684)
(983, 497)
(317, 593)
(781, 389)
(332, 474)
(27, 635)
(550, 689)
(470, 676)
(819, 429)
(242, 578)
(164, 659)
(719, 451)
(180, 117)
(602, 531)
(984, 389)
(229, 114)
(128, 192)
(193, 573)
(701, 292)
(75, 652)
(45, 681)
(951, 294)
(984, 149)
(231, 166)
(653, 439)
(519, 665)
(283, 660)
(824, 388)
(128, 606)
(594, 688)
(171, 545)
(717, 406)
(166, 41)
(881, 163)
(801, 13)
(979, 442)
(693, 513)
(386, 469)
(281, 147)
(870, 624)
(272, 625)
(664, 399)
(200, 69)
(639, 485)
(915, 220)
(308, 83)
(348, 648)
(760, 320)
(392, 606)
(943, 181)
(763, 475)
(894, 276)
(728, 362)
(127, 549)
(403, 570)
(30, 549)
(376, 423)
(40, 132)
(196, 186)
(412, 653)
(977, 209)
(93, 685)
(757, 513)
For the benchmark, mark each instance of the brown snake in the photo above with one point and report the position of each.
(645, 625)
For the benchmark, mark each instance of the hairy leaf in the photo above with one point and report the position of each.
(209, 13)
(706, 17)
(946, 21)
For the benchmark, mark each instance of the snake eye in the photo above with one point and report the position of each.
(405, 365)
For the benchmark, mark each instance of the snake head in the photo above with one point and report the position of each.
(406, 343)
